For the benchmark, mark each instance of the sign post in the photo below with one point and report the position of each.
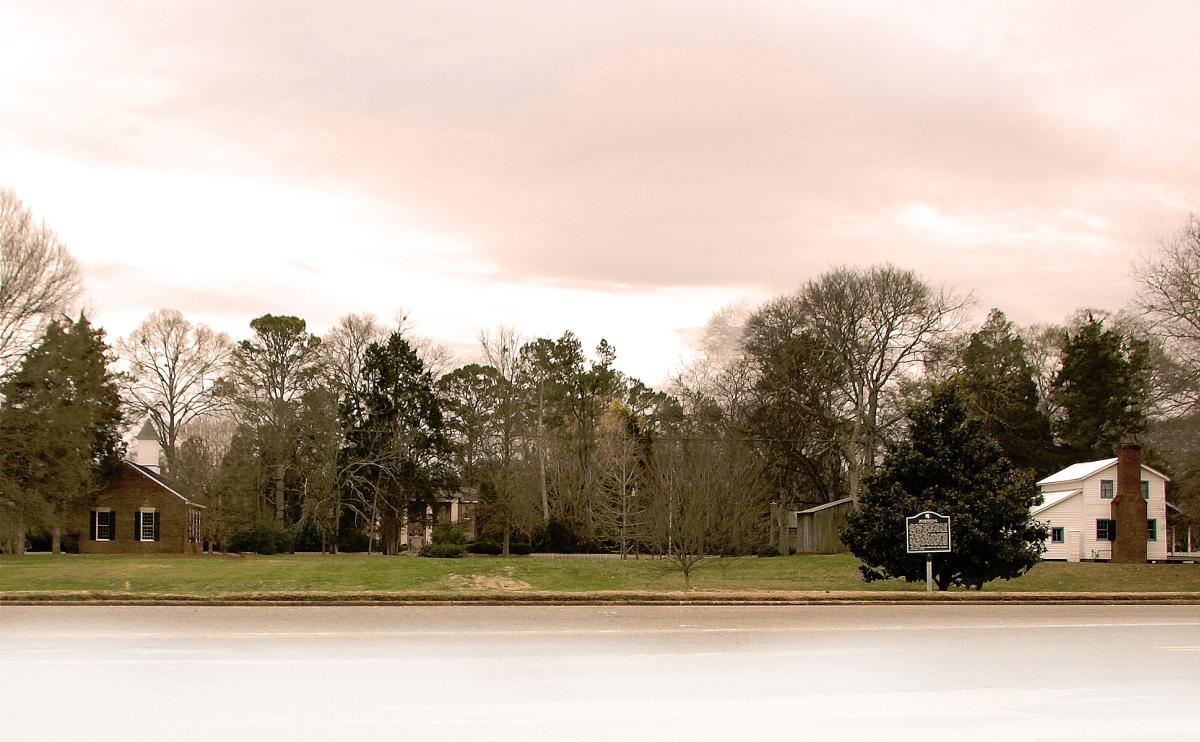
(927, 533)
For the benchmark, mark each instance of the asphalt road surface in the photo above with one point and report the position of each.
(928, 672)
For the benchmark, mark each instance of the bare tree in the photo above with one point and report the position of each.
(619, 509)
(1169, 295)
(704, 495)
(343, 350)
(1043, 350)
(174, 369)
(39, 279)
(879, 325)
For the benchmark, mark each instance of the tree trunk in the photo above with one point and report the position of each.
(784, 546)
(542, 455)
(507, 534)
(279, 471)
(56, 539)
(18, 535)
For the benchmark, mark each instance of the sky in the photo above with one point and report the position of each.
(618, 169)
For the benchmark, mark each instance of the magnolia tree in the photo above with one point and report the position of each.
(948, 465)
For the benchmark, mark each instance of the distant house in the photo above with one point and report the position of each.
(447, 509)
(139, 511)
(1078, 508)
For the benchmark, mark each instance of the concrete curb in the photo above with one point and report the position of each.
(492, 598)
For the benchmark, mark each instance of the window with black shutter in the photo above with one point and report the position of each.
(103, 525)
(147, 525)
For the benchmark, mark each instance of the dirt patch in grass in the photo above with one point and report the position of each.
(504, 581)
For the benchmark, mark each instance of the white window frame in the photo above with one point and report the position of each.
(1062, 531)
(109, 525)
(1112, 488)
(145, 523)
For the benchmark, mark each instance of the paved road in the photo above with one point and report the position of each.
(934, 672)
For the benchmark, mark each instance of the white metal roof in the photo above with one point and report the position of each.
(1050, 499)
(1076, 472)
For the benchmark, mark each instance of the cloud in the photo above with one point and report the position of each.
(537, 147)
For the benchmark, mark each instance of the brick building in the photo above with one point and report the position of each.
(140, 513)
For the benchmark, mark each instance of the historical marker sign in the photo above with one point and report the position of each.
(928, 533)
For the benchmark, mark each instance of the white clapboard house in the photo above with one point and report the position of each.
(1077, 508)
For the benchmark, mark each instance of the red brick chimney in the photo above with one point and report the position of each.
(1129, 507)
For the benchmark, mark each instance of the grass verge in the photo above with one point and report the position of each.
(371, 579)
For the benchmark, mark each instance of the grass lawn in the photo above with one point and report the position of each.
(212, 576)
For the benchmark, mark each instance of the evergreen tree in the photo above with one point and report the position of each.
(947, 464)
(399, 437)
(270, 373)
(1002, 394)
(60, 425)
(1101, 389)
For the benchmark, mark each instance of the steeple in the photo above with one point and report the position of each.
(145, 450)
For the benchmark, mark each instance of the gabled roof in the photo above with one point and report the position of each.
(146, 433)
(1050, 499)
(827, 505)
(160, 482)
(1076, 472)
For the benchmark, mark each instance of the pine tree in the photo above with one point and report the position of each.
(1101, 389)
(947, 464)
(60, 424)
(1002, 394)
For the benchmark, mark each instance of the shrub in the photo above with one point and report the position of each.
(485, 547)
(308, 538)
(449, 534)
(266, 537)
(767, 550)
(352, 540)
(442, 551)
(519, 548)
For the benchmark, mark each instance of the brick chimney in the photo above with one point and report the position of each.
(1129, 507)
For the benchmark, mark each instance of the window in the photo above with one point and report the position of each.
(194, 526)
(103, 525)
(1106, 489)
(1106, 529)
(1152, 530)
(1145, 490)
(1057, 536)
(145, 525)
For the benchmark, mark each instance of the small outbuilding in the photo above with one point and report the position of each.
(1082, 507)
(819, 529)
(139, 512)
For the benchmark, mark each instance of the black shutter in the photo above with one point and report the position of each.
(112, 525)
(137, 526)
(155, 516)
(92, 525)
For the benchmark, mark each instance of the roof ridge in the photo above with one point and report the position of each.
(161, 483)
